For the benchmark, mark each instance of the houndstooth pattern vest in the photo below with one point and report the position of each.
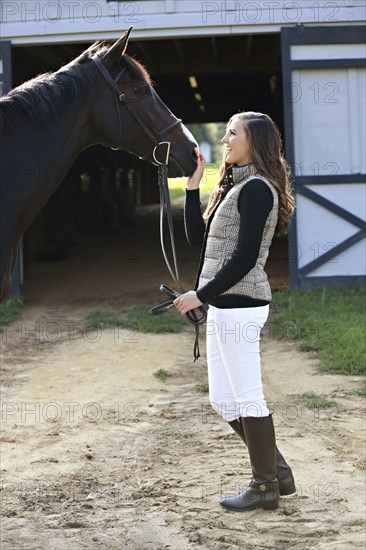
(223, 236)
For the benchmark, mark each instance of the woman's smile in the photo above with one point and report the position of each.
(236, 144)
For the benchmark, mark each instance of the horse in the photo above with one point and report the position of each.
(104, 96)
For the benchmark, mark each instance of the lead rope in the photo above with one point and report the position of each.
(162, 150)
(165, 200)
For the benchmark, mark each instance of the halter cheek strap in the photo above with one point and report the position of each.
(113, 84)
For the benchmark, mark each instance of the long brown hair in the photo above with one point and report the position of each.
(265, 146)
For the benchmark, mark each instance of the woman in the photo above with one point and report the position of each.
(251, 203)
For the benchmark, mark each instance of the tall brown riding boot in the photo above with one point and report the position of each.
(263, 490)
(284, 473)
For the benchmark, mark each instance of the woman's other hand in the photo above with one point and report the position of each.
(194, 180)
(186, 302)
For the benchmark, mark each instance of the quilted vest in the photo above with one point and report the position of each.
(223, 236)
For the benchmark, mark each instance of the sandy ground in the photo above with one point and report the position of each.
(98, 453)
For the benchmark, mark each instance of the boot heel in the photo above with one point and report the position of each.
(288, 492)
(270, 506)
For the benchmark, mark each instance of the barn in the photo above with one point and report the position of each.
(301, 62)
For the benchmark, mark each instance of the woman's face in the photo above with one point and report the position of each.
(236, 143)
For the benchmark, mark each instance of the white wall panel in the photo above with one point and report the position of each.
(329, 127)
(357, 119)
(351, 262)
(318, 229)
(326, 142)
(328, 51)
(349, 196)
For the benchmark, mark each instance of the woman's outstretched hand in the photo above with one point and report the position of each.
(194, 180)
(187, 301)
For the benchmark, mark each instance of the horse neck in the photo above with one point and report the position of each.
(40, 156)
(85, 121)
(56, 143)
(74, 133)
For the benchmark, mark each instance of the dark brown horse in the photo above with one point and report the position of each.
(104, 96)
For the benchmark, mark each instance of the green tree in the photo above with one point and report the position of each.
(211, 132)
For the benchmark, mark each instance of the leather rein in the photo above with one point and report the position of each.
(196, 319)
(161, 157)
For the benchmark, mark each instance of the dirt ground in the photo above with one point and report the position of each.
(97, 453)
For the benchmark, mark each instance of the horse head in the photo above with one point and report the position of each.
(131, 115)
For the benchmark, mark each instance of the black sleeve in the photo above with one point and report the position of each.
(255, 202)
(193, 220)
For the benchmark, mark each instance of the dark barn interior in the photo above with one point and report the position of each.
(101, 196)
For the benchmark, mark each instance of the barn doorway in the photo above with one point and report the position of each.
(107, 200)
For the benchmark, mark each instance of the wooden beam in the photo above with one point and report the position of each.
(277, 51)
(215, 55)
(248, 49)
(206, 68)
(170, 6)
(180, 51)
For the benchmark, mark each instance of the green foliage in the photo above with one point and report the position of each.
(316, 401)
(137, 318)
(201, 388)
(361, 390)
(185, 439)
(329, 323)
(177, 186)
(189, 439)
(10, 311)
(161, 374)
(211, 132)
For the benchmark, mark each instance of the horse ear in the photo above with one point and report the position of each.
(125, 39)
(119, 48)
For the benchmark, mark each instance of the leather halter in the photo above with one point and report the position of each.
(160, 155)
(121, 97)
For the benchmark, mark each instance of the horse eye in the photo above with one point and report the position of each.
(143, 90)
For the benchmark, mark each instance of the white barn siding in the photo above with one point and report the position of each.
(328, 108)
(325, 96)
(40, 22)
(330, 117)
(320, 230)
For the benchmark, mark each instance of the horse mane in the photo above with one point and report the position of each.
(43, 98)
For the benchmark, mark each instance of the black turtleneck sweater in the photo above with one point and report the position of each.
(255, 202)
